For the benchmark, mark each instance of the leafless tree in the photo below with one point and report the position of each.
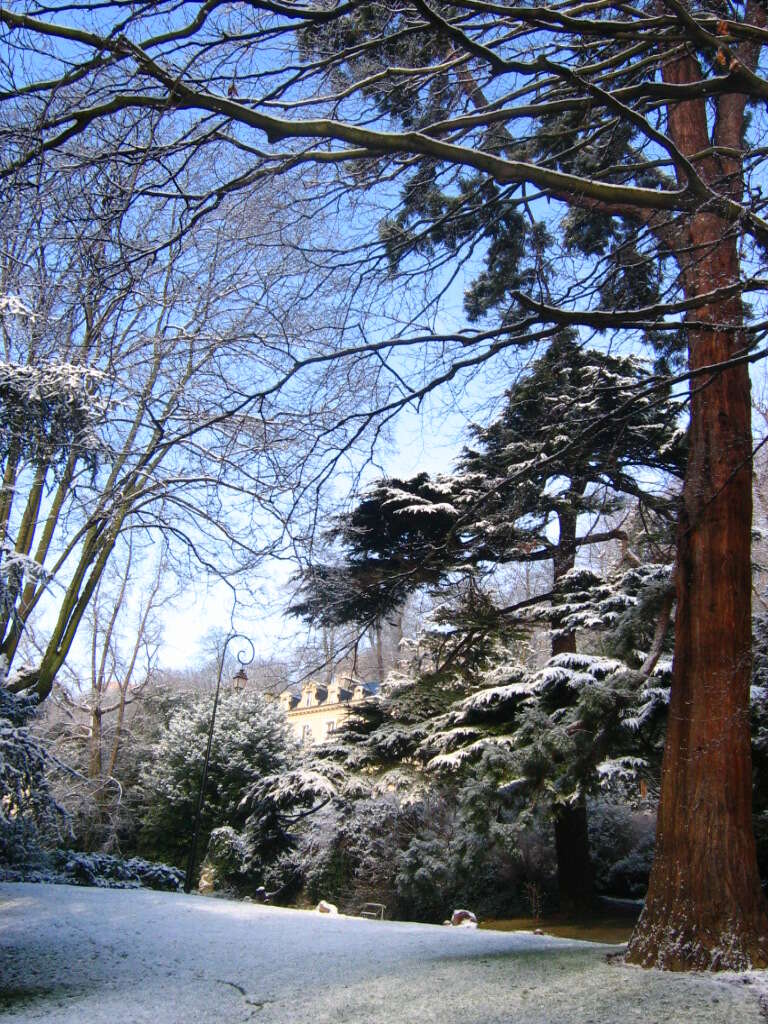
(177, 449)
(89, 719)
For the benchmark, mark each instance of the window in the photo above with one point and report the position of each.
(306, 735)
(330, 727)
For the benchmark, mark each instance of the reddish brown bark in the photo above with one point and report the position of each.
(705, 908)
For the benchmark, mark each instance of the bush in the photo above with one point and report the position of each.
(29, 816)
(102, 870)
(622, 842)
(425, 857)
(251, 739)
(225, 861)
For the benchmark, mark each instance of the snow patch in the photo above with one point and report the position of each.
(69, 955)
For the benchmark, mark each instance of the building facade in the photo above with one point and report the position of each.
(322, 708)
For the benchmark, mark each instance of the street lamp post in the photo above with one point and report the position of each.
(239, 683)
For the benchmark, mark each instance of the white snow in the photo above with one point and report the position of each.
(103, 956)
(421, 505)
(14, 305)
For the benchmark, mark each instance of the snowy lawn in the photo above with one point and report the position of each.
(110, 956)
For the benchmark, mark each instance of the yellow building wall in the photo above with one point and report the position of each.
(320, 711)
(311, 725)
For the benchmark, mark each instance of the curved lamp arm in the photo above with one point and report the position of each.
(243, 660)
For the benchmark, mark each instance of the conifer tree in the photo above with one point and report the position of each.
(581, 433)
(251, 740)
(575, 440)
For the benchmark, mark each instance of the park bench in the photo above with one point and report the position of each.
(373, 911)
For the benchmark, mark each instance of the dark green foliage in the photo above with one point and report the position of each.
(478, 210)
(101, 870)
(251, 739)
(621, 608)
(464, 637)
(226, 857)
(452, 847)
(584, 721)
(574, 435)
(622, 841)
(471, 217)
(390, 39)
(589, 418)
(393, 537)
(29, 816)
(277, 808)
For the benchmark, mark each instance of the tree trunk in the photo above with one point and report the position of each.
(95, 741)
(705, 908)
(575, 880)
(378, 637)
(574, 867)
(563, 561)
(329, 653)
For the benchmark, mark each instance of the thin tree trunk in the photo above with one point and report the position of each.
(95, 740)
(575, 879)
(35, 587)
(329, 653)
(24, 537)
(378, 638)
(116, 739)
(7, 491)
(563, 561)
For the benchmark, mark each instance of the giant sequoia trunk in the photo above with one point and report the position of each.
(705, 908)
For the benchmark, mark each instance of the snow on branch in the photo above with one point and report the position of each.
(50, 408)
(620, 769)
(14, 305)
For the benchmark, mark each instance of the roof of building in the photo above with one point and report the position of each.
(318, 693)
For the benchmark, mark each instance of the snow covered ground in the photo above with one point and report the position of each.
(107, 956)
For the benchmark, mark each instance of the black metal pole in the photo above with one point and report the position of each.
(201, 795)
